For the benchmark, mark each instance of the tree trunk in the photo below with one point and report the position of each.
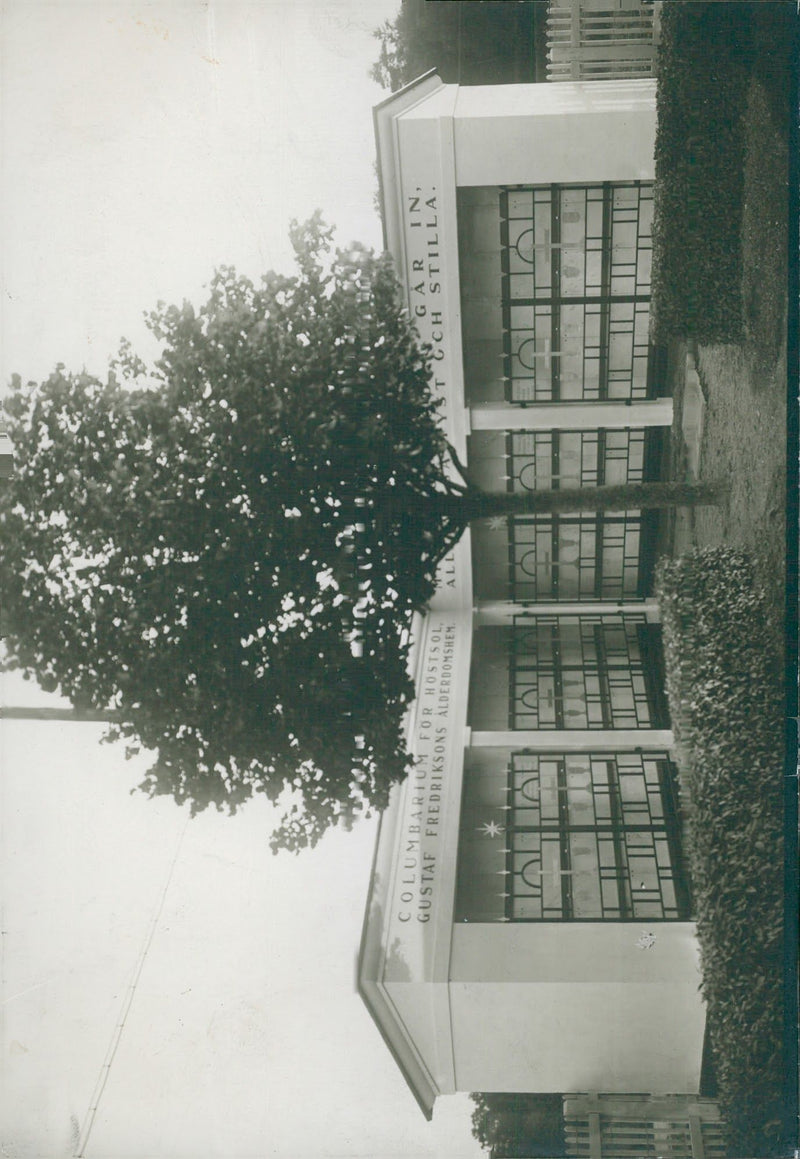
(623, 497)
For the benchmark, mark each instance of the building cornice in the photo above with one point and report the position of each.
(383, 116)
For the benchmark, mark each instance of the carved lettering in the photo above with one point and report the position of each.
(425, 258)
(418, 865)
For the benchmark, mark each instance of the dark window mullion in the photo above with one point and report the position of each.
(505, 286)
(638, 240)
(601, 458)
(565, 860)
(512, 683)
(617, 826)
(606, 707)
(555, 287)
(671, 806)
(602, 830)
(605, 293)
(508, 393)
(581, 300)
(599, 524)
(555, 531)
(558, 685)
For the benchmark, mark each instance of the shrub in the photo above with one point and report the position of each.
(725, 690)
(519, 1124)
(703, 72)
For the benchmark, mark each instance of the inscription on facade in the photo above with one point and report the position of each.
(419, 855)
(425, 289)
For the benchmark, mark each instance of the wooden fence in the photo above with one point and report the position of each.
(642, 1127)
(600, 39)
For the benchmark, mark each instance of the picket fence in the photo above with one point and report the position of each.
(642, 1127)
(600, 39)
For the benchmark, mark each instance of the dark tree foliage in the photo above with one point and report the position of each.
(222, 552)
(519, 1124)
(419, 38)
(484, 42)
(181, 547)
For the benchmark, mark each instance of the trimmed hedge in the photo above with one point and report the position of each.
(725, 690)
(703, 72)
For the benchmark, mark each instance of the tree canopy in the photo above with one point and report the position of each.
(222, 551)
(187, 545)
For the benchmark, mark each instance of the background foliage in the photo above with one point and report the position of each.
(518, 1124)
(466, 41)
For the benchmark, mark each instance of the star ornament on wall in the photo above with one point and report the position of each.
(496, 523)
(491, 829)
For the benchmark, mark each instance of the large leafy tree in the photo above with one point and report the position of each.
(222, 551)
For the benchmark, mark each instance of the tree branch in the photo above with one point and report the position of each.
(448, 542)
(459, 466)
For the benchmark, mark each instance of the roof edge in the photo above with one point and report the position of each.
(402, 100)
(380, 1008)
(412, 84)
(419, 1082)
(411, 1066)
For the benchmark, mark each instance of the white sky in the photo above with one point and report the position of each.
(143, 144)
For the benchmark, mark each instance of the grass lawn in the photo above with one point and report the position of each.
(726, 683)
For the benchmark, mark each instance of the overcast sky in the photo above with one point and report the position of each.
(197, 990)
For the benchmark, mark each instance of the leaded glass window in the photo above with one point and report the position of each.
(597, 556)
(581, 672)
(576, 268)
(575, 557)
(572, 837)
(562, 672)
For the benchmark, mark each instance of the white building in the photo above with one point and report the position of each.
(528, 926)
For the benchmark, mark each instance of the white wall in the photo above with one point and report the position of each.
(571, 132)
(576, 1006)
(567, 1036)
(575, 952)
